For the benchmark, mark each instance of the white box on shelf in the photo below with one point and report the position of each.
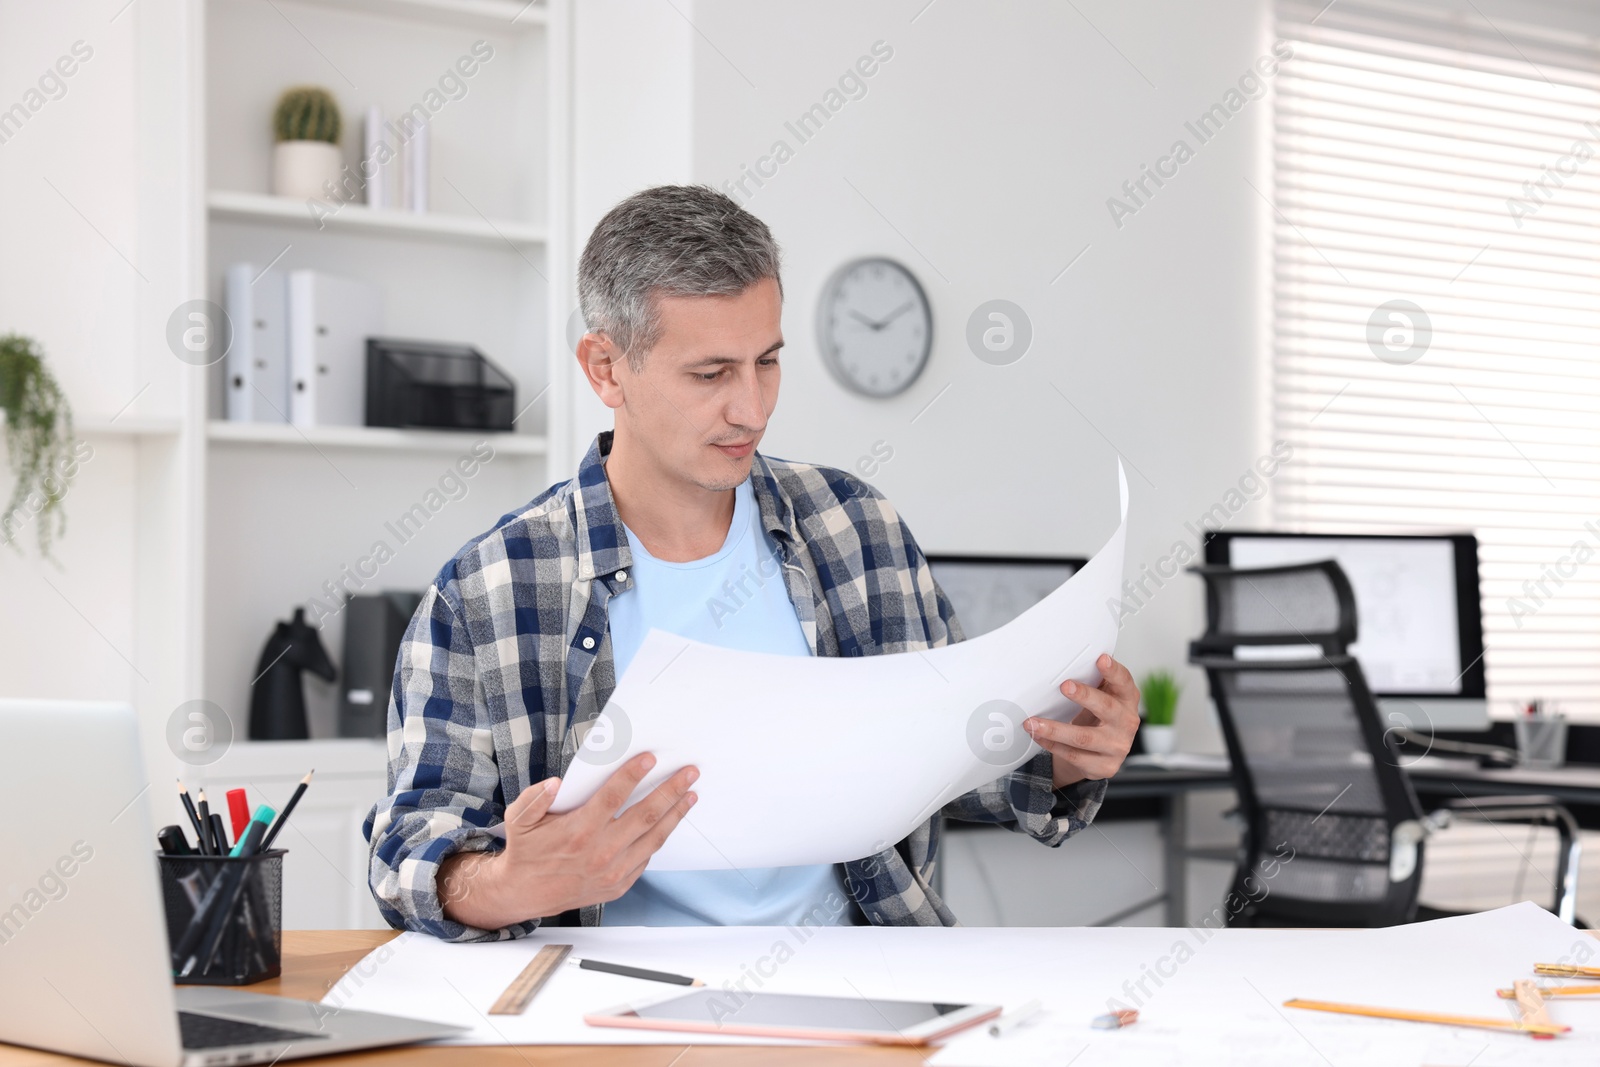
(330, 319)
(415, 162)
(377, 160)
(258, 359)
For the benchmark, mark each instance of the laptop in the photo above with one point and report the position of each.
(85, 967)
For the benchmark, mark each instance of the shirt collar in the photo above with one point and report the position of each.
(602, 541)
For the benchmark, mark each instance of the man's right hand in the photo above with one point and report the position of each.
(553, 863)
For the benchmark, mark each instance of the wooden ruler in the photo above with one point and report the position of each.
(1530, 1003)
(515, 1000)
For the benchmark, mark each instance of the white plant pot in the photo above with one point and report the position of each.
(301, 169)
(1158, 740)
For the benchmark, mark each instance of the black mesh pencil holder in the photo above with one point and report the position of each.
(224, 917)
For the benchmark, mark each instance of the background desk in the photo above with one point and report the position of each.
(1434, 780)
(1577, 787)
(313, 960)
(1169, 789)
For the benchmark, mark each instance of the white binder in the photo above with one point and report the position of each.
(377, 163)
(330, 319)
(415, 163)
(258, 361)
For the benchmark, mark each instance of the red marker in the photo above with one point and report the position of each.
(239, 812)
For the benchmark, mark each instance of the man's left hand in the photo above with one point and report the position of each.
(1097, 740)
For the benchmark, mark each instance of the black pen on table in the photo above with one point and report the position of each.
(634, 972)
(208, 844)
(219, 834)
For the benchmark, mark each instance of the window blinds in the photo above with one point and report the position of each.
(1436, 309)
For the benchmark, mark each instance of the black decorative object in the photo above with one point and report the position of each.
(277, 698)
(373, 627)
(436, 385)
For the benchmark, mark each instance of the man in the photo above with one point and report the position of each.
(523, 635)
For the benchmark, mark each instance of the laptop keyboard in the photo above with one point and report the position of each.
(209, 1031)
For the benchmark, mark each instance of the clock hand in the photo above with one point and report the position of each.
(895, 314)
(866, 321)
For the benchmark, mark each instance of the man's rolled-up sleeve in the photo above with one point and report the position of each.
(444, 783)
(1026, 800)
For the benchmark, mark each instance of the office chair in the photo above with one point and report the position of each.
(1333, 832)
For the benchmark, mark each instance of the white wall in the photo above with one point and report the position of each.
(981, 156)
(71, 280)
(631, 101)
(98, 186)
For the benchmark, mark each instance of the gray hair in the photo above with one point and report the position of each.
(670, 240)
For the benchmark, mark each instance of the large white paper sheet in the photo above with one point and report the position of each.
(1214, 1000)
(808, 760)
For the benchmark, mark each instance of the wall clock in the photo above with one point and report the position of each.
(874, 326)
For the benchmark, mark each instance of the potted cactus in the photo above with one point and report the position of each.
(1158, 701)
(306, 157)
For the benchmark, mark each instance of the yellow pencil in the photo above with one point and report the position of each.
(1556, 991)
(1565, 970)
(1427, 1017)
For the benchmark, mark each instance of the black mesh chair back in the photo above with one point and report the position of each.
(1332, 826)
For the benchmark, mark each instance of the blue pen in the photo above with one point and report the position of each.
(264, 815)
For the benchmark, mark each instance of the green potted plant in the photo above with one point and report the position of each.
(1158, 704)
(38, 435)
(306, 157)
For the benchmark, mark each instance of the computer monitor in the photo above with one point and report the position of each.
(989, 591)
(1419, 620)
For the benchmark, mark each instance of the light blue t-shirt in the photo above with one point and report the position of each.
(734, 598)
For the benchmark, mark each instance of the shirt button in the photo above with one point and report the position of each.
(588, 642)
(622, 576)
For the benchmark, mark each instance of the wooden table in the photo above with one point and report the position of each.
(313, 960)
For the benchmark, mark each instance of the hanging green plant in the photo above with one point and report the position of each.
(38, 423)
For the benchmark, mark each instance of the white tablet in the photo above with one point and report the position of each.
(878, 1022)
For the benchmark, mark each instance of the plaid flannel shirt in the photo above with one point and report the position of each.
(510, 647)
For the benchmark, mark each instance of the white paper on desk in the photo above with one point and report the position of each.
(1252, 1037)
(807, 760)
(1221, 1004)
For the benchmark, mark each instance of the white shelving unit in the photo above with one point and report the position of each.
(488, 14)
(365, 437)
(358, 218)
(232, 526)
(125, 427)
(189, 538)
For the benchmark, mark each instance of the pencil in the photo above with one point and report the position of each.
(1565, 970)
(288, 809)
(1556, 991)
(188, 806)
(635, 972)
(1474, 1021)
